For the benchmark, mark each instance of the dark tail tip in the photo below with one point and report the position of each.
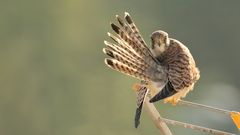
(109, 62)
(138, 115)
(167, 91)
(108, 52)
(137, 123)
(119, 20)
(128, 18)
(115, 28)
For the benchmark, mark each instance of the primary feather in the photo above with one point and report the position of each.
(129, 52)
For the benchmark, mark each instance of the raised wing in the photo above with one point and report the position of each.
(130, 54)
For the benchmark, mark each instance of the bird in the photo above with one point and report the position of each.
(166, 69)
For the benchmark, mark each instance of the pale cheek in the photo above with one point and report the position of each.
(168, 41)
(161, 48)
(158, 50)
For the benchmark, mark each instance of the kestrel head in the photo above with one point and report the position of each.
(160, 41)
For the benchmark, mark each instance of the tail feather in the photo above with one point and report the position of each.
(136, 73)
(130, 51)
(136, 32)
(138, 115)
(132, 31)
(124, 59)
(141, 95)
(123, 44)
(126, 52)
(121, 50)
(130, 28)
(127, 29)
(128, 41)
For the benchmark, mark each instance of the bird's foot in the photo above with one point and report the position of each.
(171, 100)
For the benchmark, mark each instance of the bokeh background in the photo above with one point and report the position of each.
(53, 80)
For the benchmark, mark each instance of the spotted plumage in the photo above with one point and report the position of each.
(166, 69)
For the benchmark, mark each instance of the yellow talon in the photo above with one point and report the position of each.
(171, 100)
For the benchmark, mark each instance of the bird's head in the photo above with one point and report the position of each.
(159, 41)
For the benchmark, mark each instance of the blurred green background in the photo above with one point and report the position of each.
(53, 80)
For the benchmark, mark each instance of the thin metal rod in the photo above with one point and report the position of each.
(210, 108)
(195, 127)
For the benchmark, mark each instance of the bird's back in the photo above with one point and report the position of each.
(182, 72)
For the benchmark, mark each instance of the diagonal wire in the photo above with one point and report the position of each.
(195, 127)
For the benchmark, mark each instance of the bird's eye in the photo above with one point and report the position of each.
(165, 39)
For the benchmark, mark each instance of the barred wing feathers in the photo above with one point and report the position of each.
(130, 54)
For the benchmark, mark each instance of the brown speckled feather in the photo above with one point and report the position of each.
(177, 59)
(181, 71)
